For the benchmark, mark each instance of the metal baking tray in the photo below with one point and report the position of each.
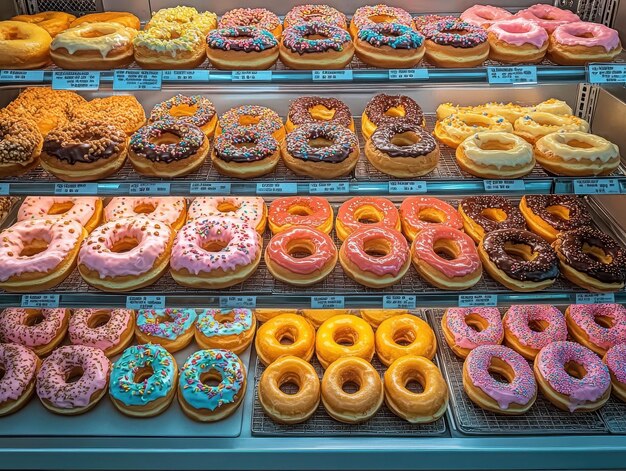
(614, 415)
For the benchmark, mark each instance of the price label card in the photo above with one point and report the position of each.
(594, 298)
(149, 189)
(512, 75)
(135, 79)
(70, 80)
(238, 301)
(21, 75)
(329, 188)
(597, 186)
(40, 300)
(504, 185)
(276, 188)
(145, 302)
(606, 73)
(327, 302)
(5, 189)
(251, 76)
(332, 75)
(478, 300)
(408, 187)
(209, 188)
(399, 301)
(200, 75)
(408, 74)
(76, 189)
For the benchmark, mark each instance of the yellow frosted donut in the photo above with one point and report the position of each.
(23, 45)
(405, 334)
(537, 124)
(459, 126)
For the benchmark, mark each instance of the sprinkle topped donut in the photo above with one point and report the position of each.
(302, 14)
(204, 109)
(165, 323)
(304, 110)
(143, 142)
(368, 16)
(296, 38)
(108, 330)
(597, 326)
(548, 16)
(448, 33)
(457, 320)
(378, 109)
(344, 142)
(615, 360)
(19, 367)
(485, 15)
(394, 35)
(19, 325)
(210, 327)
(526, 340)
(167, 209)
(251, 116)
(62, 208)
(250, 210)
(257, 17)
(244, 145)
(241, 38)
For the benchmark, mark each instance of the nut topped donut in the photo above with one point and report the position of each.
(302, 14)
(315, 109)
(420, 212)
(19, 367)
(529, 328)
(487, 213)
(195, 109)
(466, 328)
(86, 210)
(250, 210)
(241, 48)
(123, 111)
(389, 109)
(171, 328)
(171, 210)
(366, 211)
(332, 47)
(310, 211)
(549, 215)
(110, 330)
(41, 330)
(597, 326)
(258, 17)
(368, 16)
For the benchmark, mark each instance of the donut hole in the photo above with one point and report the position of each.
(404, 337)
(74, 374)
(559, 211)
(501, 371)
(579, 144)
(211, 378)
(538, 325)
(33, 247)
(99, 319)
(142, 374)
(367, 215)
(227, 207)
(414, 382)
(300, 210)
(224, 317)
(60, 208)
(319, 142)
(350, 387)
(377, 248)
(183, 110)
(165, 138)
(476, 322)
(321, 113)
(249, 120)
(382, 18)
(447, 249)
(575, 369)
(521, 252)
(33, 318)
(597, 253)
(289, 383)
(395, 112)
(494, 214)
(432, 215)
(144, 208)
(300, 248)
(214, 245)
(405, 139)
(286, 335)
(345, 336)
(604, 321)
(123, 245)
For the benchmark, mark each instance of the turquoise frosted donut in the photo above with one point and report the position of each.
(229, 329)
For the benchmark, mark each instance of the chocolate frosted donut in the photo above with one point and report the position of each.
(380, 104)
(478, 208)
(143, 144)
(578, 215)
(343, 144)
(300, 111)
(382, 137)
(226, 148)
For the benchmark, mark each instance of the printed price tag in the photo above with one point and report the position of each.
(329, 188)
(408, 74)
(238, 301)
(5, 189)
(332, 75)
(200, 75)
(478, 300)
(251, 76)
(596, 186)
(209, 188)
(512, 75)
(399, 301)
(70, 80)
(40, 300)
(594, 298)
(133, 79)
(76, 189)
(145, 302)
(149, 189)
(408, 187)
(606, 73)
(276, 188)
(21, 75)
(504, 185)
(327, 302)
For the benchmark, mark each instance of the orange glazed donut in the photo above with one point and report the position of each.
(41, 330)
(318, 316)
(344, 336)
(19, 367)
(421, 212)
(366, 211)
(375, 317)
(120, 17)
(311, 211)
(285, 327)
(404, 335)
(23, 45)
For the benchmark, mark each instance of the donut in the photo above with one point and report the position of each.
(86, 210)
(311, 211)
(123, 111)
(295, 331)
(302, 14)
(169, 46)
(615, 360)
(84, 150)
(572, 377)
(120, 17)
(20, 144)
(6, 205)
(509, 111)
(366, 211)
(253, 117)
(389, 109)
(537, 124)
(529, 328)
(215, 252)
(241, 48)
(258, 17)
(403, 149)
(389, 45)
(126, 254)
(73, 379)
(580, 43)
(143, 381)
(487, 213)
(466, 328)
(301, 256)
(282, 407)
(375, 257)
(41, 330)
(344, 336)
(23, 45)
(194, 109)
(368, 16)
(316, 109)
(456, 128)
(318, 316)
(171, 328)
(375, 317)
(110, 330)
(485, 15)
(250, 210)
(188, 17)
(321, 150)
(446, 258)
(597, 326)
(517, 41)
(93, 46)
(19, 367)
(420, 212)
(513, 397)
(423, 21)
(231, 329)
(549, 215)
(454, 43)
(351, 407)
(547, 16)
(553, 106)
(52, 21)
(245, 153)
(591, 259)
(404, 334)
(168, 149)
(171, 210)
(205, 403)
(38, 254)
(332, 48)
(577, 153)
(415, 407)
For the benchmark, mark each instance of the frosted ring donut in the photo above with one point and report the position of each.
(597, 326)
(454, 129)
(86, 210)
(344, 336)
(466, 328)
(310, 211)
(547, 16)
(402, 335)
(362, 211)
(285, 327)
(484, 15)
(41, 330)
(250, 210)
(171, 210)
(420, 212)
(529, 328)
(537, 124)
(19, 366)
(110, 330)
(171, 328)
(231, 329)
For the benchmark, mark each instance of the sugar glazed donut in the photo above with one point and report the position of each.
(466, 328)
(529, 328)
(487, 213)
(52, 21)
(110, 330)
(333, 50)
(41, 330)
(404, 334)
(311, 211)
(285, 335)
(420, 212)
(23, 45)
(120, 17)
(344, 336)
(366, 211)
(231, 329)
(86, 210)
(597, 326)
(171, 328)
(17, 385)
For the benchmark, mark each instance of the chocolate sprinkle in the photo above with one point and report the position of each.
(474, 206)
(299, 113)
(578, 214)
(380, 104)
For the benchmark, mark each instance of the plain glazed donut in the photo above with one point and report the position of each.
(615, 360)
(344, 336)
(171, 210)
(549, 215)
(250, 210)
(421, 212)
(547, 16)
(41, 330)
(333, 50)
(120, 17)
(171, 328)
(86, 210)
(19, 367)
(375, 317)
(23, 45)
(292, 327)
(404, 334)
(110, 330)
(597, 326)
(318, 316)
(485, 15)
(258, 17)
(366, 211)
(52, 21)
(487, 213)
(311, 211)
(195, 109)
(466, 328)
(231, 329)
(529, 328)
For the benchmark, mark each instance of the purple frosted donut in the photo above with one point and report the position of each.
(583, 321)
(517, 322)
(456, 320)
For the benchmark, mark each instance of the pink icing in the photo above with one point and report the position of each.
(243, 245)
(484, 15)
(519, 31)
(37, 207)
(250, 210)
(320, 211)
(61, 236)
(517, 319)
(346, 213)
(466, 263)
(167, 209)
(325, 250)
(389, 264)
(571, 35)
(19, 365)
(615, 359)
(51, 379)
(104, 336)
(13, 328)
(583, 315)
(548, 16)
(551, 360)
(465, 336)
(153, 239)
(412, 206)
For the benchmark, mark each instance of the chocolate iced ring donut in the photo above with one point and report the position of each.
(316, 109)
(488, 213)
(387, 109)
(241, 48)
(455, 43)
(245, 153)
(547, 215)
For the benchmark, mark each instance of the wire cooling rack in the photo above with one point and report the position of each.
(614, 414)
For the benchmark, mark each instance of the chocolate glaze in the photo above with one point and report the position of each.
(74, 153)
(344, 142)
(578, 214)
(191, 139)
(377, 106)
(381, 139)
(473, 207)
(299, 111)
(226, 149)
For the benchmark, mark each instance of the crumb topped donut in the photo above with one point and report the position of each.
(20, 144)
(123, 111)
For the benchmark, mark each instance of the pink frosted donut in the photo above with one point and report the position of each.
(110, 330)
(597, 326)
(41, 330)
(420, 212)
(581, 42)
(615, 360)
(19, 366)
(484, 15)
(521, 337)
(366, 211)
(572, 377)
(86, 210)
(251, 210)
(519, 31)
(467, 328)
(548, 16)
(171, 210)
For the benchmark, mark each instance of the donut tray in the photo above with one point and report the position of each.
(614, 415)
(542, 419)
